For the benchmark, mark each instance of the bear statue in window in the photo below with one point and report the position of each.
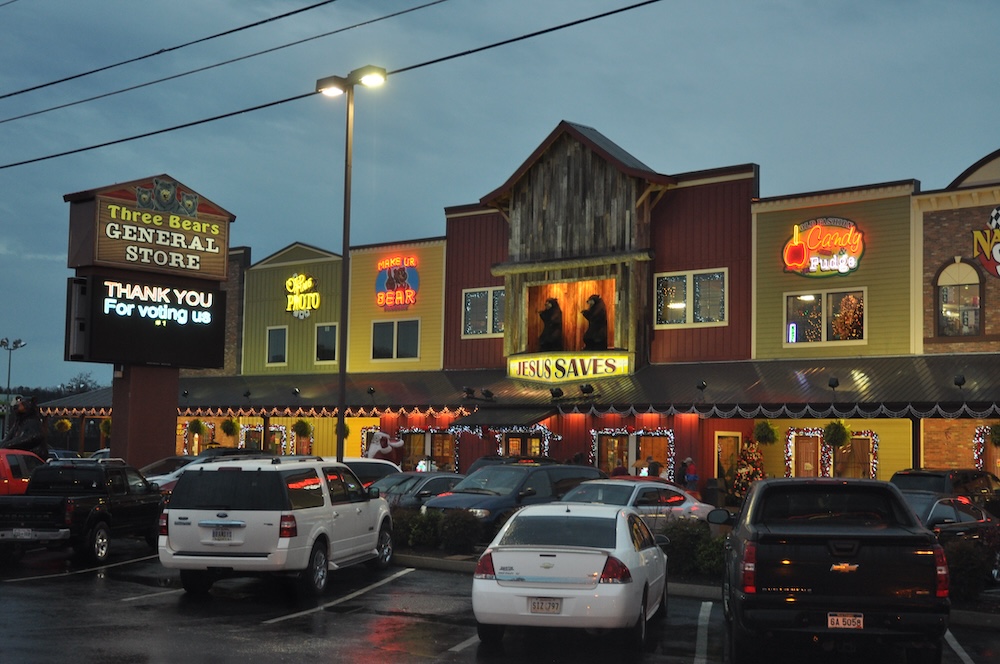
(596, 336)
(551, 337)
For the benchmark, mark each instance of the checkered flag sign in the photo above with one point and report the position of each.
(995, 218)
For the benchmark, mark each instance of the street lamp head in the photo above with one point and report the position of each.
(334, 86)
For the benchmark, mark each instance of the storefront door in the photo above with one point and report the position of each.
(807, 456)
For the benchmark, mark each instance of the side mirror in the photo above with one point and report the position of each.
(374, 492)
(526, 493)
(721, 517)
(154, 487)
(423, 495)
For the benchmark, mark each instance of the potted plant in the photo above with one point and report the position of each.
(764, 433)
(106, 427)
(995, 434)
(836, 434)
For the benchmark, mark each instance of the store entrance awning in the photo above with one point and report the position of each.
(501, 417)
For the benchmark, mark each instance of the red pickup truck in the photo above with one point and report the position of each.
(15, 469)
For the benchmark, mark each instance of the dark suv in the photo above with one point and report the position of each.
(980, 486)
(494, 492)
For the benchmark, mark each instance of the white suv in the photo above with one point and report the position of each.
(296, 516)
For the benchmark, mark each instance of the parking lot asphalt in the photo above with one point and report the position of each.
(988, 618)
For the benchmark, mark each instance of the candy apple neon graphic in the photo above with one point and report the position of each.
(986, 244)
(824, 247)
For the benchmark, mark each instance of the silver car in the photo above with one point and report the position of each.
(657, 500)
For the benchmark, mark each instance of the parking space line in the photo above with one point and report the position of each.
(136, 598)
(464, 644)
(701, 643)
(959, 650)
(79, 571)
(345, 598)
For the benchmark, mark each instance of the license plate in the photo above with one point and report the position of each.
(845, 620)
(222, 534)
(22, 533)
(545, 605)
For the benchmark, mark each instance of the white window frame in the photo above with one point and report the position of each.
(336, 342)
(823, 293)
(267, 346)
(491, 314)
(395, 340)
(689, 276)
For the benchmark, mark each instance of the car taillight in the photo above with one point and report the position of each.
(941, 563)
(68, 513)
(615, 571)
(749, 568)
(163, 523)
(287, 527)
(484, 568)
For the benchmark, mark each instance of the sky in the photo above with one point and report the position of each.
(821, 95)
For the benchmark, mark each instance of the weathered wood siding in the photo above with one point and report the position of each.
(703, 227)
(572, 204)
(475, 243)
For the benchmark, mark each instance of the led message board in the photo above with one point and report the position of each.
(145, 321)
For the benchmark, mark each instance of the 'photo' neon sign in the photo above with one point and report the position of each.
(824, 247)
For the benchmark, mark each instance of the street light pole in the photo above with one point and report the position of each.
(333, 86)
(10, 347)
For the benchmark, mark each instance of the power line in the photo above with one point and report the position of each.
(310, 94)
(167, 50)
(218, 64)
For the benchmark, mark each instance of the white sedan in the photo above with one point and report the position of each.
(571, 565)
(656, 499)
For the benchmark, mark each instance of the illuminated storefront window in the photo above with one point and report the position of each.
(483, 312)
(825, 316)
(691, 299)
(958, 301)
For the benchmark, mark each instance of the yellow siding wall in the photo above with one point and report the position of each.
(367, 278)
(265, 301)
(894, 438)
(884, 270)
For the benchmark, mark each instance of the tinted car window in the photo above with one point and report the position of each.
(819, 506)
(610, 494)
(559, 531)
(500, 480)
(335, 484)
(63, 479)
(641, 537)
(540, 482)
(136, 483)
(919, 482)
(304, 488)
(355, 489)
(231, 489)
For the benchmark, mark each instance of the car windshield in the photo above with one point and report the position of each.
(918, 482)
(395, 483)
(609, 494)
(497, 480)
(561, 530)
(164, 466)
(920, 503)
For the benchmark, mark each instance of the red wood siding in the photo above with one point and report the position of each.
(706, 227)
(474, 244)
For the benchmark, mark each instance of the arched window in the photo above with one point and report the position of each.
(959, 301)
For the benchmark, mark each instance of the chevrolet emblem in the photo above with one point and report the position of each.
(844, 567)
(547, 565)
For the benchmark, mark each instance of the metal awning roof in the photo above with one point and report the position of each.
(505, 417)
(898, 386)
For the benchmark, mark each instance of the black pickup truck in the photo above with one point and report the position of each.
(832, 563)
(81, 504)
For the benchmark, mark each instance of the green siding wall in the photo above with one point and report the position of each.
(884, 270)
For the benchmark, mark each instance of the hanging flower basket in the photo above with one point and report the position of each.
(229, 427)
(302, 429)
(995, 434)
(196, 427)
(836, 434)
(764, 433)
(63, 425)
(105, 427)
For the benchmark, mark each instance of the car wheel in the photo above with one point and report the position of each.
(383, 549)
(930, 653)
(196, 581)
(635, 636)
(490, 635)
(311, 581)
(97, 544)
